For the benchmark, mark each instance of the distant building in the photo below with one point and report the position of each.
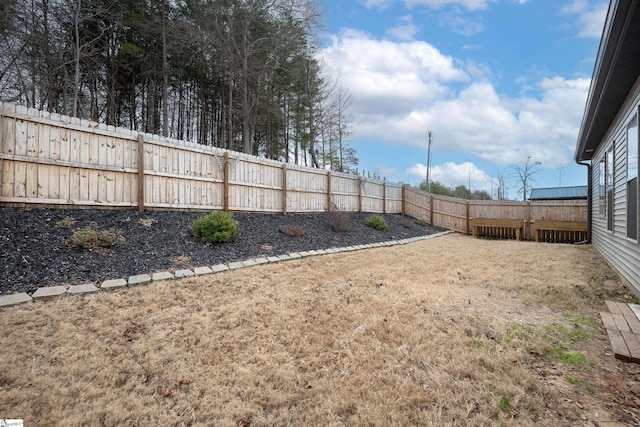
(560, 193)
(608, 141)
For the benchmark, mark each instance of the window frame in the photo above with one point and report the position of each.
(631, 184)
(602, 205)
(610, 185)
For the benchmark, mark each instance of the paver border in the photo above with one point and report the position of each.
(49, 292)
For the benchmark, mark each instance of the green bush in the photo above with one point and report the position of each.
(377, 222)
(89, 238)
(216, 227)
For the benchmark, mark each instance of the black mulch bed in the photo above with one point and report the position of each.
(35, 251)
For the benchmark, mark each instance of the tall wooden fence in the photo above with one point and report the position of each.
(48, 159)
(455, 214)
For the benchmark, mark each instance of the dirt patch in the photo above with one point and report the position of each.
(449, 331)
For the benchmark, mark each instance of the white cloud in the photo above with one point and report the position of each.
(436, 4)
(589, 18)
(405, 30)
(460, 25)
(377, 4)
(401, 90)
(386, 78)
(382, 170)
(452, 174)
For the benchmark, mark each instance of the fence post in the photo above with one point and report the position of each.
(431, 209)
(226, 181)
(2, 140)
(527, 230)
(384, 197)
(140, 173)
(328, 190)
(404, 199)
(284, 188)
(359, 194)
(468, 219)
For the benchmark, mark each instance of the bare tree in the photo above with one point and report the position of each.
(503, 191)
(525, 174)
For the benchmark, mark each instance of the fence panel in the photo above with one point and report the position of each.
(393, 198)
(255, 184)
(52, 159)
(345, 192)
(556, 211)
(451, 213)
(417, 204)
(372, 196)
(306, 190)
(497, 209)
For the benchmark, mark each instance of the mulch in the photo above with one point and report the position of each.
(35, 250)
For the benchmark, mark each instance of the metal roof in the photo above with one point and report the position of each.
(559, 193)
(616, 70)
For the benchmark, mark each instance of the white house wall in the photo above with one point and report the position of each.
(621, 252)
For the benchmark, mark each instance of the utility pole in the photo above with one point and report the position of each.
(428, 161)
(491, 186)
(469, 163)
(560, 176)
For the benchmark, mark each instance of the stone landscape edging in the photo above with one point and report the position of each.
(49, 292)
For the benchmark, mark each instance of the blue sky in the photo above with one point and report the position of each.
(496, 81)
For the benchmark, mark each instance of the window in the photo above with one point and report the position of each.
(632, 178)
(609, 188)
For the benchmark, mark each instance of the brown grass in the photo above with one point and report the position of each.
(449, 331)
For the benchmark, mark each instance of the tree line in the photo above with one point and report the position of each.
(461, 191)
(236, 74)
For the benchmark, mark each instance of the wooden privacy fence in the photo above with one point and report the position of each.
(52, 160)
(456, 214)
(48, 159)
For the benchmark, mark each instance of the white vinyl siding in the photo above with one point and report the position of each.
(623, 253)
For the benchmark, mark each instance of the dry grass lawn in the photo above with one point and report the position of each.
(448, 331)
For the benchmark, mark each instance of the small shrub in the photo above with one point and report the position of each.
(405, 223)
(338, 220)
(216, 227)
(377, 222)
(91, 239)
(66, 222)
(421, 222)
(147, 222)
(292, 230)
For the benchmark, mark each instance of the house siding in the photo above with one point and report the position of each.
(621, 252)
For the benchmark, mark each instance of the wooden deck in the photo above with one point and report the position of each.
(623, 329)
